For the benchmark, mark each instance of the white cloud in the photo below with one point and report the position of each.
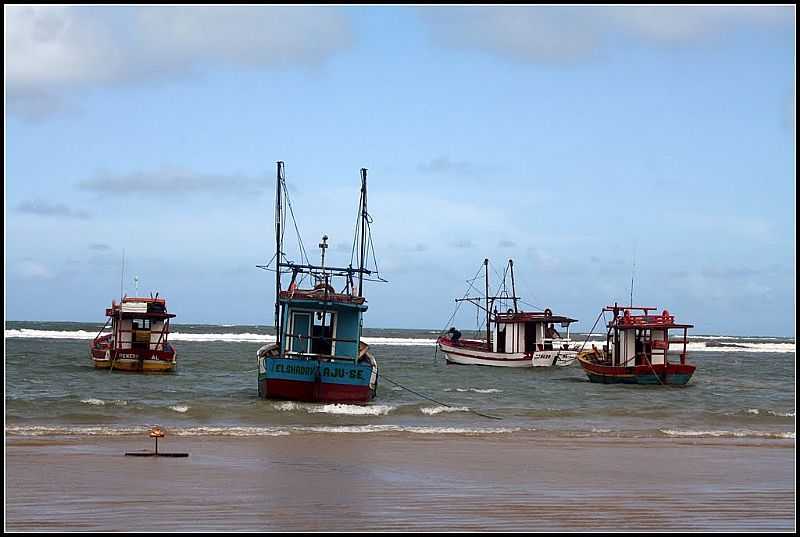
(29, 269)
(168, 181)
(52, 50)
(556, 34)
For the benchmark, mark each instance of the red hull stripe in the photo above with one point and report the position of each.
(311, 392)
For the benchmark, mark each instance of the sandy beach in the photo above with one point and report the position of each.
(388, 481)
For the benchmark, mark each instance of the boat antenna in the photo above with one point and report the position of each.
(122, 275)
(633, 273)
(278, 244)
(364, 222)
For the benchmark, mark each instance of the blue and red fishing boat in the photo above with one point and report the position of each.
(638, 349)
(318, 355)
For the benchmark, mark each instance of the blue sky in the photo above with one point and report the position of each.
(570, 139)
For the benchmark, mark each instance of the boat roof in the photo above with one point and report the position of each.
(133, 307)
(320, 295)
(532, 316)
(657, 322)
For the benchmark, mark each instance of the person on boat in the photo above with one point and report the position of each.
(455, 335)
(552, 333)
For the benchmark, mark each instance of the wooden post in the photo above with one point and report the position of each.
(488, 316)
(278, 248)
(513, 287)
(363, 231)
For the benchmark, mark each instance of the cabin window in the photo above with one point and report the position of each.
(322, 333)
(141, 324)
(299, 341)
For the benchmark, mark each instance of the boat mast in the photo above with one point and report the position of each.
(513, 289)
(363, 230)
(278, 246)
(488, 317)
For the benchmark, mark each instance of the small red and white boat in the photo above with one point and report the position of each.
(138, 340)
(638, 350)
(515, 338)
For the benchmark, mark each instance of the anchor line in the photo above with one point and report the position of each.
(434, 400)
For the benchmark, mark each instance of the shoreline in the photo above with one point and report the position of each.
(400, 481)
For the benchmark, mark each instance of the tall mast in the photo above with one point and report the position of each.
(363, 230)
(278, 245)
(513, 289)
(488, 316)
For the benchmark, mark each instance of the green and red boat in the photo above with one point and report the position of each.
(319, 356)
(639, 349)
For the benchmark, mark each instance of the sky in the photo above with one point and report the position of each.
(589, 144)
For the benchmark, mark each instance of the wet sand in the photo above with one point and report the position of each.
(317, 482)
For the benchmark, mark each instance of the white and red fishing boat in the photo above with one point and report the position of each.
(638, 349)
(138, 340)
(515, 338)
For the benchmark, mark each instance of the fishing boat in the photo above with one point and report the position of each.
(138, 339)
(318, 355)
(514, 338)
(638, 349)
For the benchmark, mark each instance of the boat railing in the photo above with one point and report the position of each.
(315, 356)
(318, 355)
(555, 343)
(324, 338)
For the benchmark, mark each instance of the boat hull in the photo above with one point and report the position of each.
(656, 374)
(469, 353)
(317, 380)
(134, 362)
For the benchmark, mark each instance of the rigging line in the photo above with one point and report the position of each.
(458, 306)
(303, 253)
(532, 305)
(436, 401)
(372, 247)
(356, 233)
(591, 331)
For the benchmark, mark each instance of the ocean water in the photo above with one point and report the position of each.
(744, 387)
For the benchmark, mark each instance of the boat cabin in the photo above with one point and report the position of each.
(321, 323)
(528, 332)
(139, 323)
(641, 339)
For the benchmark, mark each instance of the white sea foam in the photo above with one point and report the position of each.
(432, 411)
(733, 434)
(475, 390)
(180, 408)
(340, 409)
(737, 345)
(91, 430)
(755, 411)
(100, 402)
(408, 429)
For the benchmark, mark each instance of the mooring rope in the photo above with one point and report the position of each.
(436, 401)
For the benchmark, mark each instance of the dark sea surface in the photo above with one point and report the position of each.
(744, 387)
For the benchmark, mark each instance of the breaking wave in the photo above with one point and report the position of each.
(732, 343)
(47, 430)
(731, 434)
(340, 409)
